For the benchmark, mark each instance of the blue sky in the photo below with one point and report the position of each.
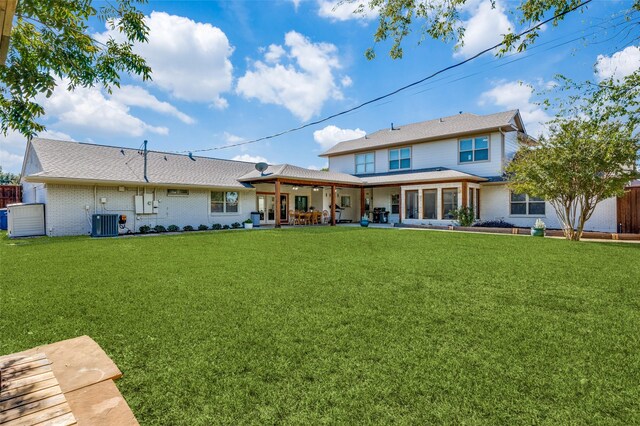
(231, 71)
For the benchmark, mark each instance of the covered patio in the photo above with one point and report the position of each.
(293, 195)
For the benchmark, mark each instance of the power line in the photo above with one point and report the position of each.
(401, 89)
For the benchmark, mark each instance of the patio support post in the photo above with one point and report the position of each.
(278, 206)
(361, 202)
(465, 195)
(333, 205)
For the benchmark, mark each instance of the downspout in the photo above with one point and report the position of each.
(95, 199)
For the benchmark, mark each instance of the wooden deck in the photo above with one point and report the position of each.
(64, 383)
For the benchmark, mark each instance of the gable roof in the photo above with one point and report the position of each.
(439, 128)
(299, 173)
(77, 161)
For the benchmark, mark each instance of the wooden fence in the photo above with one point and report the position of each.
(10, 194)
(629, 211)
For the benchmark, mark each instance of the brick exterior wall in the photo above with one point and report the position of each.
(69, 208)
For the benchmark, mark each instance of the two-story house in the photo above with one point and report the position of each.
(421, 172)
(414, 174)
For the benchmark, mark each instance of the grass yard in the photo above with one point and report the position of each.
(342, 325)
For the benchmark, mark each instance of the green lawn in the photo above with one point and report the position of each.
(338, 326)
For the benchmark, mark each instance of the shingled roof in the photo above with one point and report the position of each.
(439, 128)
(76, 161)
(284, 171)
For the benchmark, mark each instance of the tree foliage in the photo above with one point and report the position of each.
(441, 20)
(590, 153)
(50, 41)
(8, 178)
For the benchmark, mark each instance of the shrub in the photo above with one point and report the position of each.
(159, 228)
(225, 227)
(494, 224)
(464, 215)
(216, 226)
(202, 227)
(145, 229)
(187, 228)
(248, 221)
(236, 225)
(173, 228)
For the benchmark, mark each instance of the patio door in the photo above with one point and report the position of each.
(266, 208)
(411, 205)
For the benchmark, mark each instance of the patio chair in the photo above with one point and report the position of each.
(325, 216)
(292, 217)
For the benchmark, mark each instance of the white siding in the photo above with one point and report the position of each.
(443, 153)
(67, 213)
(495, 205)
(511, 145)
(382, 198)
(342, 163)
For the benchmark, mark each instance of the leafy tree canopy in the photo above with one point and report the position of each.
(8, 178)
(50, 41)
(441, 20)
(590, 154)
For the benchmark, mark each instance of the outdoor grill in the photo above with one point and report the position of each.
(380, 215)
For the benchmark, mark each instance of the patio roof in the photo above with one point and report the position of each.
(435, 175)
(287, 172)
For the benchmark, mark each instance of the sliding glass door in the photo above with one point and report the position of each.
(411, 205)
(430, 204)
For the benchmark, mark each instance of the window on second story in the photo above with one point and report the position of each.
(474, 149)
(400, 158)
(365, 163)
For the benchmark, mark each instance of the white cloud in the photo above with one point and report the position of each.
(331, 135)
(618, 65)
(345, 11)
(274, 53)
(302, 85)
(230, 138)
(10, 162)
(517, 95)
(137, 96)
(54, 134)
(296, 3)
(346, 81)
(189, 59)
(484, 28)
(87, 109)
(250, 158)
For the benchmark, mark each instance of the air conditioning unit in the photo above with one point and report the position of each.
(104, 225)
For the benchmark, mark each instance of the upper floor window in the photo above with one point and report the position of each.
(522, 204)
(224, 202)
(474, 149)
(365, 163)
(400, 158)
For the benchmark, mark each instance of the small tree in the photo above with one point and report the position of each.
(582, 162)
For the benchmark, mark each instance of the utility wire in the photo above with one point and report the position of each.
(403, 88)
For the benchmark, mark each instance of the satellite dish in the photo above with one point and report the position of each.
(261, 167)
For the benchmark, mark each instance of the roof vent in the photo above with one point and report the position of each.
(392, 128)
(441, 120)
(459, 112)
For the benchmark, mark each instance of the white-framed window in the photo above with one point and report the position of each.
(400, 158)
(173, 192)
(449, 202)
(224, 202)
(395, 203)
(365, 163)
(524, 205)
(473, 150)
(345, 201)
